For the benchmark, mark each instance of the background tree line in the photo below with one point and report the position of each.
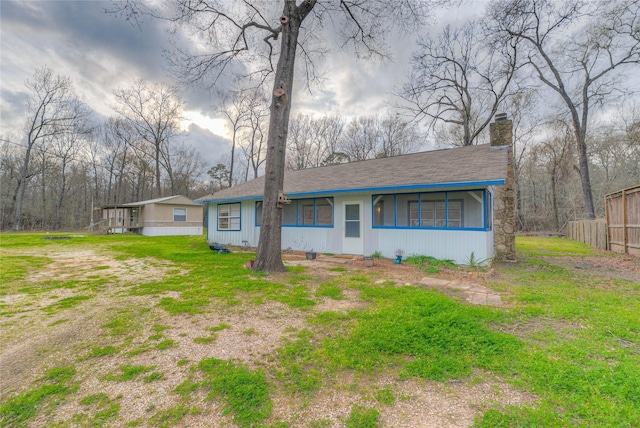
(559, 69)
(66, 161)
(313, 141)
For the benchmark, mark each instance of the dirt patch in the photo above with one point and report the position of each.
(86, 264)
(620, 266)
(541, 330)
(416, 403)
(470, 292)
(34, 341)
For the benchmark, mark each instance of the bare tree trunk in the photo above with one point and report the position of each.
(585, 180)
(43, 190)
(22, 184)
(554, 202)
(268, 255)
(233, 155)
(157, 162)
(63, 185)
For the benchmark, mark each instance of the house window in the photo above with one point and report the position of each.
(436, 213)
(258, 213)
(324, 212)
(406, 211)
(290, 214)
(179, 214)
(303, 212)
(437, 210)
(384, 210)
(229, 217)
(306, 212)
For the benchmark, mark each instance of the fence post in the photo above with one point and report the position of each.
(624, 222)
(606, 225)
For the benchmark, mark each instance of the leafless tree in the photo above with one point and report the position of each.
(369, 137)
(397, 136)
(301, 148)
(118, 136)
(460, 79)
(313, 140)
(360, 139)
(188, 166)
(556, 156)
(243, 32)
(65, 148)
(10, 161)
(629, 119)
(53, 109)
(154, 111)
(614, 154)
(254, 137)
(577, 49)
(235, 108)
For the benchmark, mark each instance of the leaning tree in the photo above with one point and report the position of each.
(241, 36)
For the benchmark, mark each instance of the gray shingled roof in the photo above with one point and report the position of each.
(471, 164)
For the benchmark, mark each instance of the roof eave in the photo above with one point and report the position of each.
(485, 183)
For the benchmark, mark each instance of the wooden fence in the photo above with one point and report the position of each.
(590, 232)
(623, 220)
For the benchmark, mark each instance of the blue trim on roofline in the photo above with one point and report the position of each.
(473, 229)
(367, 189)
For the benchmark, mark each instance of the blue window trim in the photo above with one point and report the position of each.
(446, 210)
(218, 217)
(486, 195)
(488, 209)
(315, 213)
(255, 213)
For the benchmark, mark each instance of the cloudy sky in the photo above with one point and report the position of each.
(102, 52)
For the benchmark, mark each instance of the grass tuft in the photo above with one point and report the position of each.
(102, 352)
(24, 406)
(362, 417)
(245, 392)
(129, 372)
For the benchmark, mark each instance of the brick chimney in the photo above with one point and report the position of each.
(504, 196)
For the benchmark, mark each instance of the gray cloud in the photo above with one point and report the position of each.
(212, 147)
(102, 51)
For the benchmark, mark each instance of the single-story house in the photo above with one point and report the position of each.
(438, 203)
(171, 215)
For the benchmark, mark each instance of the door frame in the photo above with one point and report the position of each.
(352, 245)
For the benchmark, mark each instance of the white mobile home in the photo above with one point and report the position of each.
(437, 203)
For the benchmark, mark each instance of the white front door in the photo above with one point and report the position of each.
(352, 239)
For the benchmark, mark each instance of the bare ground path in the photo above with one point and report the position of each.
(34, 340)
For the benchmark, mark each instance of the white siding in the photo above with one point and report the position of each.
(456, 245)
(248, 231)
(310, 238)
(171, 231)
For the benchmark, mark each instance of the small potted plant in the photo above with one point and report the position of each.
(399, 254)
(310, 255)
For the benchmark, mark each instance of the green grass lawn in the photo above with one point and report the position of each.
(570, 338)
